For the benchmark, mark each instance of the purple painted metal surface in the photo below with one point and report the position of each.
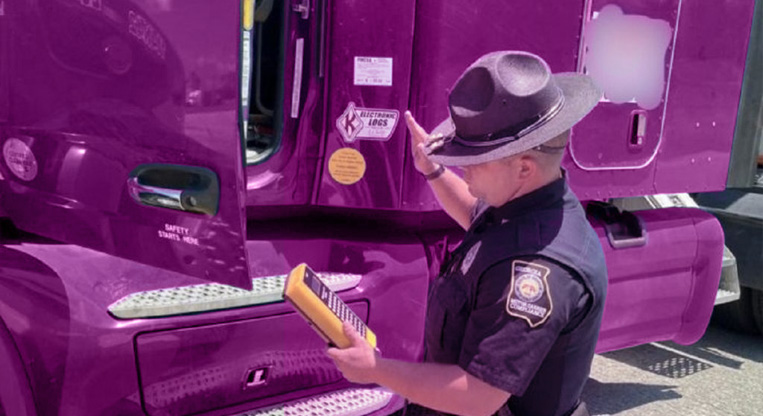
(15, 392)
(708, 72)
(225, 356)
(93, 104)
(288, 176)
(671, 296)
(705, 83)
(82, 361)
(451, 35)
(99, 88)
(704, 86)
(368, 30)
(46, 301)
(603, 140)
(707, 269)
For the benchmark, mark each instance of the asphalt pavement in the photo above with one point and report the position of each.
(722, 374)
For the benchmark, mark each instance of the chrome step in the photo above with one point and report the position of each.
(350, 402)
(728, 288)
(215, 296)
(725, 296)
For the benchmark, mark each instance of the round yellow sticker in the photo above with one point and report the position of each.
(347, 166)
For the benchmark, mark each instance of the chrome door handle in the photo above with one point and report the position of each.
(183, 188)
(152, 195)
(303, 8)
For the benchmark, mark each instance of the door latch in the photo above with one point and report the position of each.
(624, 229)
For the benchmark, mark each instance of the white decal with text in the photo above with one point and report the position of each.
(367, 123)
(373, 71)
(179, 234)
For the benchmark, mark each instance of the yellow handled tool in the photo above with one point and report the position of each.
(322, 308)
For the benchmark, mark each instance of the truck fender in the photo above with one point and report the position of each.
(15, 391)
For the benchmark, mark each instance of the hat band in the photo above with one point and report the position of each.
(507, 135)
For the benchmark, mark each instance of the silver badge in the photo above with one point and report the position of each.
(470, 256)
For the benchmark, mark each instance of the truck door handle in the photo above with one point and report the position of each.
(152, 195)
(183, 188)
(624, 229)
(303, 8)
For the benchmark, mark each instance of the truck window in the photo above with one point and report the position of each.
(3, 68)
(266, 97)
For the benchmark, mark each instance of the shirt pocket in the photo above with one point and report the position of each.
(446, 319)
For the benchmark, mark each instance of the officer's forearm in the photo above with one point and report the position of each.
(446, 388)
(454, 197)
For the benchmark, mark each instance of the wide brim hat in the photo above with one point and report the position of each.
(506, 103)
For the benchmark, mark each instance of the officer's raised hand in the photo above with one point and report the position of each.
(419, 140)
(451, 191)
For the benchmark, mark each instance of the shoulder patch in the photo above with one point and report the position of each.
(529, 297)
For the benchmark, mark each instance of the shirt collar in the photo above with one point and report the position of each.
(545, 196)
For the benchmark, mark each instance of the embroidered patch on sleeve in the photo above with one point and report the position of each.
(529, 296)
(470, 256)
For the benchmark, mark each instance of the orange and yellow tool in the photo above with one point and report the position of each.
(322, 308)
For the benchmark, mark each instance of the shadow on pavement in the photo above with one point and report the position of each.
(612, 398)
(719, 348)
(660, 361)
(719, 340)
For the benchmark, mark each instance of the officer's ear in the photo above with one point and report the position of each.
(528, 167)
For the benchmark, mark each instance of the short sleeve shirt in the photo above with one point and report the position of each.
(525, 323)
(504, 344)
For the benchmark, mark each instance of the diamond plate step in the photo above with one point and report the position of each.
(202, 387)
(350, 402)
(214, 296)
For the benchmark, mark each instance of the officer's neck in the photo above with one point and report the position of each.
(530, 185)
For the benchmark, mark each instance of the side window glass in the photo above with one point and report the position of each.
(4, 34)
(265, 118)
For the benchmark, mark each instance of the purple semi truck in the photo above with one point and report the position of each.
(164, 163)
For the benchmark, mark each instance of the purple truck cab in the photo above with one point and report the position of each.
(163, 165)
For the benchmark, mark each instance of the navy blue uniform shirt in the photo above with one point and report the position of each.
(519, 303)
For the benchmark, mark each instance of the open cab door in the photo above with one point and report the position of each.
(125, 129)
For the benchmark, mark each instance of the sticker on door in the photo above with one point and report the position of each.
(347, 166)
(357, 123)
(20, 159)
(373, 71)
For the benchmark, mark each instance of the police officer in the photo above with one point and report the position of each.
(513, 319)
